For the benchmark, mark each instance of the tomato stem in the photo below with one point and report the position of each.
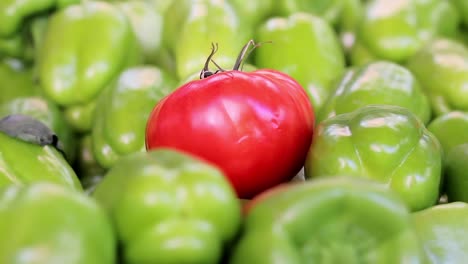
(245, 52)
(205, 72)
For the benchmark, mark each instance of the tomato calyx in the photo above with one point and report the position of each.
(205, 72)
(241, 58)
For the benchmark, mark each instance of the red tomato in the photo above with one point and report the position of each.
(256, 126)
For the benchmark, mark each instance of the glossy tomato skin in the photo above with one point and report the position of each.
(256, 126)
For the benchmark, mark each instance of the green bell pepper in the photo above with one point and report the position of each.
(456, 176)
(48, 113)
(71, 71)
(81, 117)
(315, 60)
(253, 12)
(191, 26)
(396, 31)
(450, 129)
(147, 24)
(442, 69)
(378, 82)
(382, 142)
(443, 232)
(24, 162)
(169, 207)
(123, 110)
(16, 80)
(21, 21)
(13, 13)
(334, 220)
(45, 223)
(328, 10)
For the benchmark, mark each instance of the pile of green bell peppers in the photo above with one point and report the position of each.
(385, 177)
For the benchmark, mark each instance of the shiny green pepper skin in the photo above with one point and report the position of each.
(382, 142)
(25, 163)
(450, 129)
(315, 61)
(71, 72)
(123, 109)
(332, 220)
(378, 82)
(443, 232)
(156, 198)
(45, 223)
(442, 69)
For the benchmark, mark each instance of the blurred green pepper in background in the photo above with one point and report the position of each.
(462, 7)
(398, 29)
(382, 142)
(147, 23)
(191, 26)
(305, 47)
(21, 22)
(443, 232)
(71, 71)
(123, 109)
(45, 223)
(334, 220)
(451, 129)
(16, 80)
(442, 69)
(156, 198)
(379, 82)
(86, 166)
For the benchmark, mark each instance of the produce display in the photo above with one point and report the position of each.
(232, 131)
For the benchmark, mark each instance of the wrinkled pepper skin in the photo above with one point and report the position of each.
(47, 112)
(442, 69)
(382, 142)
(71, 72)
(13, 13)
(315, 61)
(123, 110)
(456, 173)
(23, 163)
(45, 223)
(334, 220)
(378, 82)
(443, 232)
(159, 197)
(16, 80)
(450, 129)
(191, 26)
(396, 31)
